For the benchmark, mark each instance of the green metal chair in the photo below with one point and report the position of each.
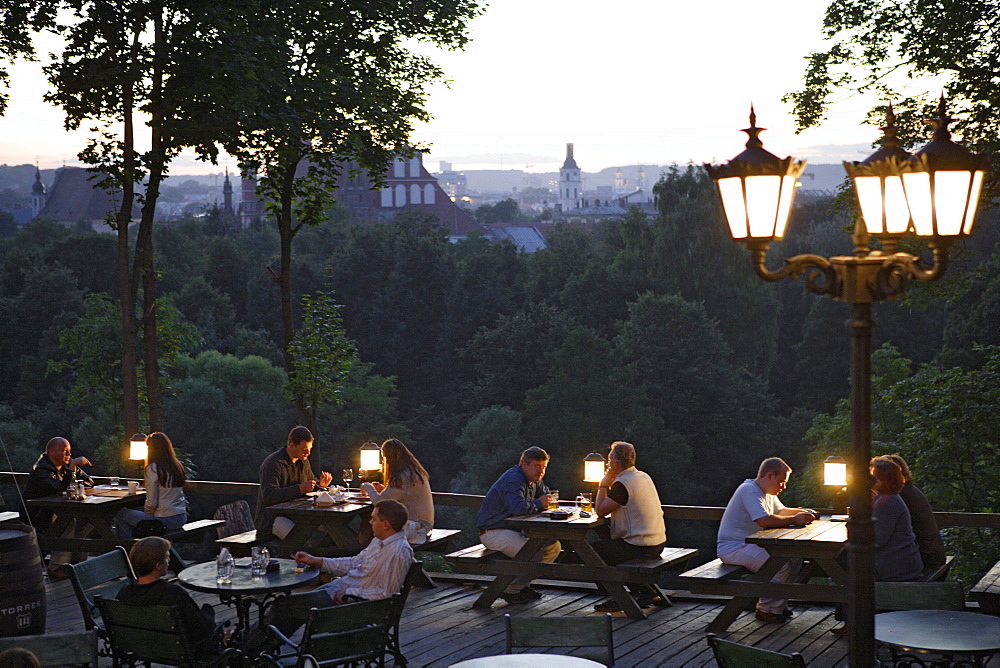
(350, 634)
(154, 634)
(77, 648)
(414, 576)
(103, 575)
(587, 631)
(729, 654)
(919, 596)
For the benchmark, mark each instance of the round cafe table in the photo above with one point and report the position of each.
(945, 632)
(247, 589)
(526, 661)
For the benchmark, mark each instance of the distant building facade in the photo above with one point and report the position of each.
(78, 198)
(37, 194)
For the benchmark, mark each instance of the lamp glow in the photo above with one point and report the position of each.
(593, 467)
(137, 448)
(371, 458)
(835, 471)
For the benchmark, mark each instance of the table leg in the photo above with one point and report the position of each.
(738, 604)
(501, 582)
(616, 590)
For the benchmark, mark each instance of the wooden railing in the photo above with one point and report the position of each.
(450, 499)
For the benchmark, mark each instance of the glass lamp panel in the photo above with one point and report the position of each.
(977, 189)
(593, 471)
(731, 191)
(784, 206)
(137, 450)
(897, 213)
(918, 197)
(762, 205)
(835, 473)
(370, 459)
(951, 196)
(869, 190)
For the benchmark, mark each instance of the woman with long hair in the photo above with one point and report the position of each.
(406, 481)
(164, 482)
(897, 557)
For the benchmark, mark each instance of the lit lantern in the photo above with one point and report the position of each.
(371, 459)
(943, 187)
(137, 447)
(593, 467)
(835, 471)
(757, 189)
(878, 184)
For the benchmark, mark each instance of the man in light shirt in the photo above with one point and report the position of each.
(376, 572)
(755, 506)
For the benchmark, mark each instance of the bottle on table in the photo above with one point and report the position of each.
(225, 565)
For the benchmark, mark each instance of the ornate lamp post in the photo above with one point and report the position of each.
(932, 194)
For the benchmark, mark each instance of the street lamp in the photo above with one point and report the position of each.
(939, 187)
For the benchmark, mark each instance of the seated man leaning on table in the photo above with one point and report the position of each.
(519, 491)
(755, 506)
(286, 475)
(55, 469)
(637, 529)
(150, 559)
(376, 572)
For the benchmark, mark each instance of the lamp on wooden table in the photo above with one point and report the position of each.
(371, 460)
(593, 467)
(138, 451)
(835, 475)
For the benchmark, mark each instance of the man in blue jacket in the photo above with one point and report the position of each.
(519, 491)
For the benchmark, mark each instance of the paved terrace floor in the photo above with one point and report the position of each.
(440, 627)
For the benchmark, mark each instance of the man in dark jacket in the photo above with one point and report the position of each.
(55, 469)
(150, 559)
(286, 475)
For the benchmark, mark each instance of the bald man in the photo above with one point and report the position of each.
(52, 474)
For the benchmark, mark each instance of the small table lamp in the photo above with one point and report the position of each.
(138, 450)
(835, 474)
(593, 467)
(371, 457)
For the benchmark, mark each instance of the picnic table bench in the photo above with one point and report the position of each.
(987, 591)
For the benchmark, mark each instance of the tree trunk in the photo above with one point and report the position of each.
(144, 245)
(287, 231)
(126, 286)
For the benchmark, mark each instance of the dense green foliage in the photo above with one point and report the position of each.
(649, 330)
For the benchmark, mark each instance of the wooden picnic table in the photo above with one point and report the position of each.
(820, 541)
(322, 531)
(93, 517)
(572, 533)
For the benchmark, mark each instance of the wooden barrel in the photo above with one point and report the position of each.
(22, 582)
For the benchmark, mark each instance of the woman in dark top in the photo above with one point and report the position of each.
(925, 527)
(897, 558)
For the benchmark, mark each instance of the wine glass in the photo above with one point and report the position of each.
(348, 477)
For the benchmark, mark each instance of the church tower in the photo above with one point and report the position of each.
(37, 194)
(227, 195)
(570, 183)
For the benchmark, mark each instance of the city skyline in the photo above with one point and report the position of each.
(655, 84)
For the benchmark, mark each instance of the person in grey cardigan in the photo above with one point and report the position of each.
(286, 475)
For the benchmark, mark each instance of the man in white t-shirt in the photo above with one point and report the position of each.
(755, 506)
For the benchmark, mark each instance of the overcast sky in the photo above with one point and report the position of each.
(639, 81)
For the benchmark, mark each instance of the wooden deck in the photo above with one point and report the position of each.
(440, 627)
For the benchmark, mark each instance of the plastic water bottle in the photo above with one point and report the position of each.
(225, 565)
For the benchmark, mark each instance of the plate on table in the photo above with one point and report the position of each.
(558, 514)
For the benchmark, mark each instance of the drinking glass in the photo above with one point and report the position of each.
(348, 477)
(554, 499)
(258, 560)
(114, 482)
(362, 478)
(586, 503)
